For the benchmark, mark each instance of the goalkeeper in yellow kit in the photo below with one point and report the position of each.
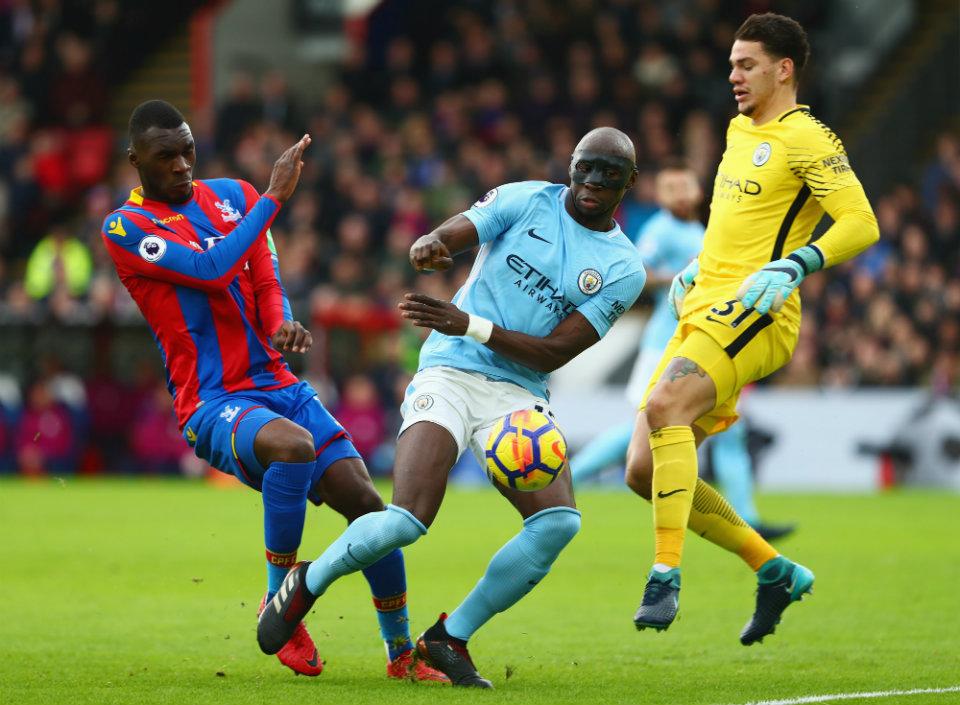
(739, 311)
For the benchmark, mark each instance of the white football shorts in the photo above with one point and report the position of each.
(465, 403)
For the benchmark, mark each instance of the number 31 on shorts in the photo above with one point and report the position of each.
(726, 310)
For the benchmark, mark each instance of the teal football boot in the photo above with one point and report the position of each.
(780, 581)
(661, 599)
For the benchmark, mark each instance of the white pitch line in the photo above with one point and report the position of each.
(855, 696)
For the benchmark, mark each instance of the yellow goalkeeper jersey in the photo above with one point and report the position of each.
(766, 200)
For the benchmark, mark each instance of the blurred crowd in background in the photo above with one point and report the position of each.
(411, 130)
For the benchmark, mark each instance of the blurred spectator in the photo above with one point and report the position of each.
(45, 435)
(156, 446)
(58, 261)
(361, 413)
(417, 125)
(11, 406)
(241, 109)
(77, 95)
(111, 404)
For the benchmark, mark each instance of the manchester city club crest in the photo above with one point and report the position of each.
(422, 402)
(589, 281)
(761, 154)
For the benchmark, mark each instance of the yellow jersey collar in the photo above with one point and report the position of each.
(746, 123)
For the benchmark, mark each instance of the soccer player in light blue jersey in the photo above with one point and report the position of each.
(553, 273)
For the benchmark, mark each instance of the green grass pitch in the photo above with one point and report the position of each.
(146, 591)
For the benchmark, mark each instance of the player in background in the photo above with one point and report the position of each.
(196, 257)
(740, 311)
(667, 243)
(553, 273)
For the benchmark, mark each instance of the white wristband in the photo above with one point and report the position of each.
(479, 328)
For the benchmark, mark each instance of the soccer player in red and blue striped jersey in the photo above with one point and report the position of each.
(197, 257)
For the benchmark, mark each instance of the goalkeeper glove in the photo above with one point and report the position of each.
(768, 289)
(681, 284)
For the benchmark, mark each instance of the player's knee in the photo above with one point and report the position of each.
(668, 409)
(566, 527)
(402, 525)
(295, 445)
(659, 409)
(639, 473)
(554, 528)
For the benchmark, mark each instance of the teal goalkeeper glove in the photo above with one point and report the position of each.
(681, 284)
(768, 289)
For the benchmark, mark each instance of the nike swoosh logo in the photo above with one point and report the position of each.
(313, 662)
(532, 234)
(661, 494)
(349, 553)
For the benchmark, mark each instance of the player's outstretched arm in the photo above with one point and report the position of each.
(435, 250)
(148, 253)
(571, 337)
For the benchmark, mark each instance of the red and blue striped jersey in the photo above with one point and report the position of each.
(207, 282)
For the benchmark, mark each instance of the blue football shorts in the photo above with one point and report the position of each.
(222, 431)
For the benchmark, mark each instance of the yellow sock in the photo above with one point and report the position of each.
(715, 520)
(674, 478)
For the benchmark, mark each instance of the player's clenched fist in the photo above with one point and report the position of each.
(292, 336)
(429, 254)
(286, 171)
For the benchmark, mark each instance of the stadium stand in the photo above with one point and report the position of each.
(420, 120)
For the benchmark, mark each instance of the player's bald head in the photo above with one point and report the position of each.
(608, 141)
(604, 158)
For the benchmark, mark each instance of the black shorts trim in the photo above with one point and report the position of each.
(740, 342)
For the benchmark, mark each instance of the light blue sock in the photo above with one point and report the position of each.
(603, 451)
(734, 471)
(515, 569)
(365, 541)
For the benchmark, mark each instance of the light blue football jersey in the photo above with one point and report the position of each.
(666, 244)
(536, 265)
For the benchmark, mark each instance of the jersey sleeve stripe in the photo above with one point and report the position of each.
(802, 195)
(740, 342)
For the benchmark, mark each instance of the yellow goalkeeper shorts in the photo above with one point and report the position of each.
(734, 346)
